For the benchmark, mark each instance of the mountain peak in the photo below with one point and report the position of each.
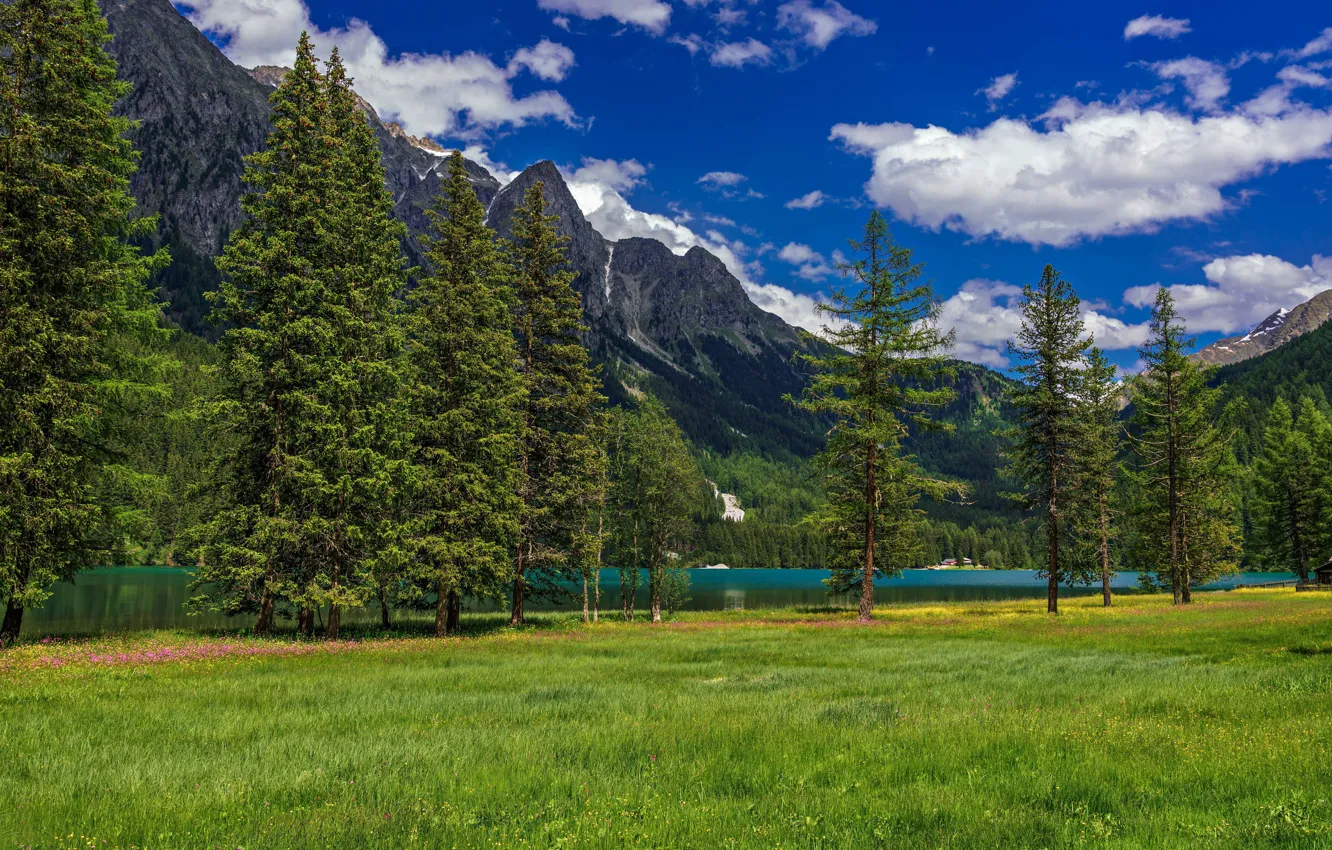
(1276, 330)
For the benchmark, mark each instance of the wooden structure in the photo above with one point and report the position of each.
(1323, 575)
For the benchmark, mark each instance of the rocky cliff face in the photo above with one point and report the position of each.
(1273, 332)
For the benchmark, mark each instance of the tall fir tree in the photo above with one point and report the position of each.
(259, 547)
(877, 380)
(557, 452)
(1050, 350)
(77, 322)
(466, 404)
(1095, 466)
(1184, 481)
(1288, 500)
(361, 446)
(1312, 422)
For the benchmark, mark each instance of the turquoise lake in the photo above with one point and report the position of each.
(134, 598)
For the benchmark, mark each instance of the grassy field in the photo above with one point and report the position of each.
(979, 725)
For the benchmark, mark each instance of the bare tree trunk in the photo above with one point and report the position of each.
(385, 620)
(1052, 527)
(519, 587)
(587, 613)
(455, 612)
(305, 621)
(441, 610)
(264, 624)
(867, 577)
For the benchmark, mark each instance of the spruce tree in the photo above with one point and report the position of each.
(1096, 463)
(557, 454)
(466, 404)
(1287, 489)
(879, 377)
(74, 308)
(262, 543)
(1185, 473)
(360, 446)
(1050, 350)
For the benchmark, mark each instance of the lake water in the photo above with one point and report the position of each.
(133, 598)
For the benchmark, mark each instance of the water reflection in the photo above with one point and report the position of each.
(134, 598)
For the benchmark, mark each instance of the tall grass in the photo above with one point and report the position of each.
(970, 725)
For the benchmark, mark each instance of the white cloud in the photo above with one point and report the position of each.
(1207, 82)
(561, 22)
(429, 94)
(819, 26)
(693, 43)
(719, 179)
(1321, 44)
(593, 186)
(808, 201)
(498, 170)
(548, 60)
(810, 264)
(998, 89)
(651, 15)
(719, 220)
(1097, 169)
(1241, 291)
(737, 54)
(986, 316)
(1155, 25)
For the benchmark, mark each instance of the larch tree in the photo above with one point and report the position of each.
(74, 305)
(1186, 512)
(264, 536)
(1096, 465)
(1288, 508)
(877, 372)
(466, 407)
(557, 454)
(1050, 351)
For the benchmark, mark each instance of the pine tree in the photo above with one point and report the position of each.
(1286, 484)
(466, 401)
(1185, 473)
(1050, 350)
(361, 445)
(557, 454)
(260, 546)
(74, 308)
(878, 378)
(1095, 464)
(1313, 424)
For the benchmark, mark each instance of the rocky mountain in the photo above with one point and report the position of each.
(1276, 330)
(679, 326)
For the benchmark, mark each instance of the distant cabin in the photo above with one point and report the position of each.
(1323, 574)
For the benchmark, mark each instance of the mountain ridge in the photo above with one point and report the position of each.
(1271, 333)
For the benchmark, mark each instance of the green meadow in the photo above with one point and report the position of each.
(948, 725)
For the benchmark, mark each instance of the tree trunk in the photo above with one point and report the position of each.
(9, 631)
(264, 624)
(516, 616)
(441, 610)
(334, 621)
(867, 578)
(305, 621)
(385, 620)
(587, 614)
(596, 596)
(1052, 533)
(455, 612)
(654, 588)
(1105, 550)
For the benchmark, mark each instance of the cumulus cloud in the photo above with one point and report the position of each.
(651, 15)
(1241, 291)
(737, 54)
(819, 26)
(548, 60)
(1157, 26)
(998, 89)
(986, 316)
(429, 94)
(1207, 82)
(810, 264)
(808, 201)
(1096, 169)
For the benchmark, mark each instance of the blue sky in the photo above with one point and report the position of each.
(1179, 144)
